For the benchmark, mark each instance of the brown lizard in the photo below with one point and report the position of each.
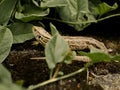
(75, 42)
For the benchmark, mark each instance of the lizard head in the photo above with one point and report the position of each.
(41, 35)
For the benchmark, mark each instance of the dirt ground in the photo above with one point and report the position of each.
(35, 71)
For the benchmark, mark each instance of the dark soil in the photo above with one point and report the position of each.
(22, 67)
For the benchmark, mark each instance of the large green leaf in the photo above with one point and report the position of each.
(6, 9)
(81, 13)
(21, 32)
(50, 3)
(76, 14)
(103, 8)
(83, 8)
(11, 87)
(57, 50)
(6, 40)
(5, 76)
(6, 80)
(31, 12)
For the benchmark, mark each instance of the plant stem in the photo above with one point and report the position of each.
(83, 22)
(32, 87)
(70, 22)
(51, 73)
(57, 70)
(107, 17)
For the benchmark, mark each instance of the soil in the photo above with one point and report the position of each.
(32, 72)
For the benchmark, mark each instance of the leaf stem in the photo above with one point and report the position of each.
(51, 73)
(69, 22)
(83, 22)
(57, 70)
(107, 17)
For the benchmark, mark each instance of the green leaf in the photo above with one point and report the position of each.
(103, 8)
(83, 6)
(21, 32)
(52, 3)
(56, 50)
(71, 55)
(6, 80)
(77, 14)
(5, 76)
(60, 73)
(81, 13)
(10, 87)
(97, 57)
(6, 9)
(31, 12)
(95, 50)
(6, 40)
(53, 29)
(116, 58)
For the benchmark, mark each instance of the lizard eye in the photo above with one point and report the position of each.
(39, 37)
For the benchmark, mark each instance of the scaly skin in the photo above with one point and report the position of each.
(75, 42)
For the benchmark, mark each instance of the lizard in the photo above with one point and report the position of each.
(75, 42)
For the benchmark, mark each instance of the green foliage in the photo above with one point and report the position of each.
(6, 37)
(97, 57)
(116, 58)
(18, 16)
(6, 9)
(53, 29)
(6, 80)
(81, 13)
(57, 50)
(6, 40)
(10, 87)
(50, 3)
(21, 32)
(29, 12)
(103, 8)
(5, 76)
